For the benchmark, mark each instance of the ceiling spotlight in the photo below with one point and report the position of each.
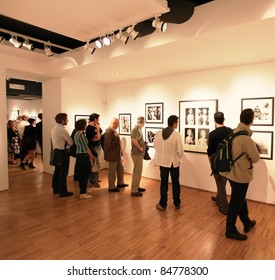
(16, 43)
(122, 37)
(99, 44)
(160, 25)
(48, 51)
(89, 48)
(132, 32)
(2, 39)
(106, 41)
(27, 45)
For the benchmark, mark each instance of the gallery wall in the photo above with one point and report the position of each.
(228, 86)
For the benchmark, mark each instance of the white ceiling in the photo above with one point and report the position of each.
(221, 33)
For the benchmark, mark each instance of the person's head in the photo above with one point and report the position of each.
(9, 124)
(80, 124)
(114, 124)
(39, 116)
(173, 121)
(31, 121)
(247, 116)
(94, 117)
(219, 117)
(189, 132)
(140, 121)
(25, 117)
(61, 118)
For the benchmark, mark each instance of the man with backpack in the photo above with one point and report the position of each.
(239, 177)
(214, 138)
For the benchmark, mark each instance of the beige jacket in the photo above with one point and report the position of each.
(242, 170)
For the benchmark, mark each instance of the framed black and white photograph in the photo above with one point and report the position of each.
(79, 117)
(264, 142)
(263, 108)
(196, 120)
(150, 133)
(154, 112)
(124, 124)
(14, 114)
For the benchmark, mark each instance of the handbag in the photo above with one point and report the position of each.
(57, 157)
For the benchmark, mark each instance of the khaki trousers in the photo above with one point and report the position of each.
(137, 171)
(116, 169)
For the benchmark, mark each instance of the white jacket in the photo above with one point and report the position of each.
(169, 151)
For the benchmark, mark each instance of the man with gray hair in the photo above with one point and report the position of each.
(137, 154)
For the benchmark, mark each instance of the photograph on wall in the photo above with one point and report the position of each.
(124, 124)
(150, 133)
(264, 142)
(196, 120)
(79, 117)
(14, 114)
(154, 112)
(263, 109)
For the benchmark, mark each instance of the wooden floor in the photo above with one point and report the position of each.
(37, 225)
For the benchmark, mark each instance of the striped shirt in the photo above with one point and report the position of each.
(81, 142)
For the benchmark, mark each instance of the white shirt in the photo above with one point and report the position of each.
(169, 151)
(21, 128)
(59, 136)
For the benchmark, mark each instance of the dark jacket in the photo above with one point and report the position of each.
(112, 148)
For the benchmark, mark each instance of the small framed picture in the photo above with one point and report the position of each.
(263, 108)
(14, 114)
(79, 117)
(150, 133)
(154, 112)
(264, 142)
(124, 124)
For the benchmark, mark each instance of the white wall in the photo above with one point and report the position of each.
(227, 85)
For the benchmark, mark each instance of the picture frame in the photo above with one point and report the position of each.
(263, 108)
(14, 115)
(154, 112)
(79, 117)
(196, 121)
(150, 133)
(264, 142)
(125, 123)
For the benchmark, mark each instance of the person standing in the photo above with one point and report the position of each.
(61, 140)
(214, 138)
(93, 132)
(39, 133)
(169, 151)
(113, 154)
(137, 154)
(83, 157)
(239, 177)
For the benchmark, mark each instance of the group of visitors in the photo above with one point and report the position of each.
(168, 156)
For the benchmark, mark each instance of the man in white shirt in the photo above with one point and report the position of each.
(61, 140)
(169, 151)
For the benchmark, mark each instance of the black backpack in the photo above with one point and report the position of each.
(221, 160)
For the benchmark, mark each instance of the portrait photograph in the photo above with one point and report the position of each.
(154, 112)
(79, 117)
(263, 109)
(264, 143)
(150, 133)
(124, 124)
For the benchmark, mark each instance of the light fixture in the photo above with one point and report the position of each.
(160, 25)
(17, 44)
(2, 39)
(27, 45)
(48, 50)
(122, 37)
(99, 43)
(106, 41)
(132, 32)
(89, 48)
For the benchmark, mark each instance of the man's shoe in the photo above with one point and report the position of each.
(159, 207)
(31, 166)
(66, 194)
(114, 190)
(22, 166)
(236, 235)
(85, 196)
(122, 185)
(248, 227)
(141, 189)
(214, 199)
(136, 194)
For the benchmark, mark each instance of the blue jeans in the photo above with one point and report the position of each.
(164, 176)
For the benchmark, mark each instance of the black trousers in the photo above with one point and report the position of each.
(237, 206)
(164, 175)
(83, 170)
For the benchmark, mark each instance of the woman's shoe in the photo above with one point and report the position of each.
(31, 166)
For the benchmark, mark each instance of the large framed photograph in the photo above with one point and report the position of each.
(264, 142)
(14, 114)
(150, 133)
(124, 124)
(196, 120)
(263, 108)
(154, 112)
(79, 117)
